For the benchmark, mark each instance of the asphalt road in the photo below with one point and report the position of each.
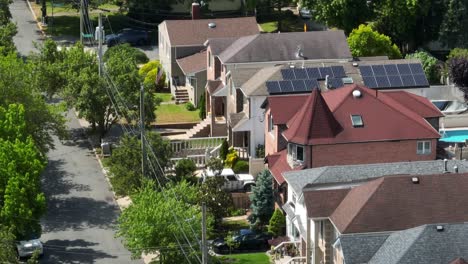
(80, 223)
(27, 27)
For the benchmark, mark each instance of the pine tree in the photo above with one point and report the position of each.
(277, 223)
(262, 203)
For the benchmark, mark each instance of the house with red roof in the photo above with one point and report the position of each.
(345, 126)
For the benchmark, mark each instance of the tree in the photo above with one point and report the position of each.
(343, 14)
(455, 21)
(185, 169)
(157, 221)
(262, 203)
(364, 41)
(429, 64)
(458, 71)
(215, 165)
(125, 162)
(7, 246)
(224, 150)
(277, 223)
(202, 106)
(217, 200)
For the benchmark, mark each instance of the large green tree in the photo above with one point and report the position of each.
(157, 221)
(364, 41)
(429, 64)
(453, 31)
(262, 203)
(217, 200)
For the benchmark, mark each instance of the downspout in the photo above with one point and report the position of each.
(308, 242)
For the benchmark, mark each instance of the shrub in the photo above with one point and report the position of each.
(236, 212)
(241, 166)
(185, 168)
(189, 106)
(277, 224)
(202, 107)
(231, 158)
(224, 150)
(260, 151)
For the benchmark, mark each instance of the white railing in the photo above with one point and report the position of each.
(243, 152)
(297, 260)
(196, 143)
(287, 243)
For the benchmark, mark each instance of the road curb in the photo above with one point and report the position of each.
(39, 24)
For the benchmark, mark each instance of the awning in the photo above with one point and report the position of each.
(221, 91)
(243, 125)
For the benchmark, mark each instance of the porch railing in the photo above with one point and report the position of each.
(196, 143)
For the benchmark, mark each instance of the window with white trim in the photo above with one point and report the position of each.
(296, 152)
(270, 123)
(424, 148)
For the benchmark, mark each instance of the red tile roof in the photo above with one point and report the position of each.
(281, 114)
(277, 163)
(395, 203)
(417, 103)
(385, 117)
(193, 63)
(313, 121)
(196, 32)
(459, 261)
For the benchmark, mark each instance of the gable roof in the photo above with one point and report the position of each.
(360, 248)
(277, 164)
(314, 120)
(284, 107)
(196, 32)
(314, 124)
(324, 202)
(424, 244)
(417, 103)
(319, 45)
(395, 203)
(193, 63)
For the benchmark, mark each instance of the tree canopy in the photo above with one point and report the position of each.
(364, 41)
(429, 64)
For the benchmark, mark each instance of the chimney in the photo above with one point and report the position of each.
(445, 166)
(196, 12)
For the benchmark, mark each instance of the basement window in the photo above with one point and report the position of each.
(357, 120)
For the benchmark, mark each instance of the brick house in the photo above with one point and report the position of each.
(350, 125)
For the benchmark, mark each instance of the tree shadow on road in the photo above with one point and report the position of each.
(79, 213)
(72, 251)
(56, 181)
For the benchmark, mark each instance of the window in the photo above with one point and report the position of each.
(231, 178)
(357, 120)
(424, 147)
(209, 59)
(296, 152)
(322, 229)
(270, 123)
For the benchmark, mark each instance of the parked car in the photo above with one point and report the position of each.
(305, 13)
(26, 248)
(128, 35)
(246, 240)
(233, 182)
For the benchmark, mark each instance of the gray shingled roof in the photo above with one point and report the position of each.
(359, 248)
(218, 45)
(330, 175)
(424, 244)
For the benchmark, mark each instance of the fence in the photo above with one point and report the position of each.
(196, 143)
(241, 200)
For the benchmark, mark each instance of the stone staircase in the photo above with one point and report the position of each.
(181, 96)
(201, 129)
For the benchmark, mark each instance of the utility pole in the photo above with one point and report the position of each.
(204, 245)
(81, 21)
(44, 12)
(100, 35)
(142, 131)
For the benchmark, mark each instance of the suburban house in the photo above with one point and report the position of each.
(182, 38)
(350, 125)
(329, 179)
(387, 204)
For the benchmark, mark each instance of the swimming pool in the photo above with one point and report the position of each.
(454, 136)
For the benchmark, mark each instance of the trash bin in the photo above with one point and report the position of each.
(106, 148)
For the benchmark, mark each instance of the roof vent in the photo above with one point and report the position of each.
(347, 80)
(415, 180)
(440, 228)
(355, 64)
(212, 25)
(357, 94)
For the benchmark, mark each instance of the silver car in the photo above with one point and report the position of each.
(26, 248)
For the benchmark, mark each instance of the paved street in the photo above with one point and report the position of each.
(79, 226)
(27, 27)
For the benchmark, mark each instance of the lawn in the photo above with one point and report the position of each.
(227, 226)
(165, 97)
(175, 113)
(290, 24)
(248, 258)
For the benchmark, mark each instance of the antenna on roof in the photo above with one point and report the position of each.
(300, 54)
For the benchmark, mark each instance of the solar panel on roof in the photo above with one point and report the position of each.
(311, 84)
(391, 69)
(379, 70)
(370, 81)
(273, 87)
(338, 71)
(420, 80)
(300, 73)
(382, 81)
(298, 85)
(288, 74)
(404, 69)
(324, 71)
(286, 86)
(366, 71)
(416, 68)
(408, 80)
(395, 81)
(334, 83)
(313, 73)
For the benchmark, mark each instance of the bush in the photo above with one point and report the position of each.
(241, 166)
(202, 107)
(231, 158)
(224, 150)
(429, 64)
(260, 151)
(277, 224)
(137, 55)
(185, 168)
(189, 106)
(236, 212)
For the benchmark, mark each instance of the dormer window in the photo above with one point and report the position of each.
(296, 152)
(356, 120)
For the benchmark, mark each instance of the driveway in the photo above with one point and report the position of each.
(80, 223)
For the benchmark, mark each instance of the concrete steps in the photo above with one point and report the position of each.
(201, 129)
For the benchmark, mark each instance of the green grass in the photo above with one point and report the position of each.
(248, 258)
(165, 97)
(173, 113)
(290, 24)
(227, 226)
(70, 25)
(271, 26)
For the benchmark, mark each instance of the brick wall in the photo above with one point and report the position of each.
(371, 152)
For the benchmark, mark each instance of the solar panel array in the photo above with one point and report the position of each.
(393, 75)
(318, 73)
(291, 86)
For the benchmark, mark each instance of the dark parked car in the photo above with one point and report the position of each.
(128, 35)
(247, 240)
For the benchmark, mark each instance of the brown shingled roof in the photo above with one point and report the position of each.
(193, 63)
(459, 261)
(196, 32)
(395, 203)
(322, 203)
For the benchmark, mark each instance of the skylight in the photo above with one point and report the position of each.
(357, 121)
